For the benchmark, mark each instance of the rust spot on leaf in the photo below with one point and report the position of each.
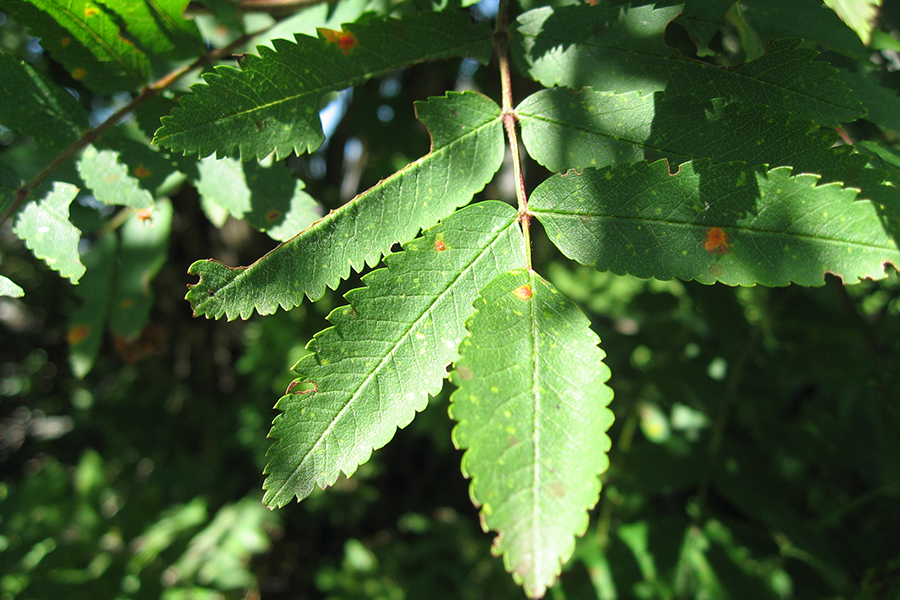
(78, 74)
(141, 172)
(90, 11)
(523, 292)
(144, 214)
(716, 241)
(78, 334)
(439, 246)
(273, 215)
(345, 40)
(65, 41)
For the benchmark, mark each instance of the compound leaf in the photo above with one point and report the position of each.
(44, 226)
(388, 350)
(531, 413)
(712, 223)
(626, 52)
(35, 107)
(467, 149)
(272, 102)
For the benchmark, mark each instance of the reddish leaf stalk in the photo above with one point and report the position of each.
(511, 122)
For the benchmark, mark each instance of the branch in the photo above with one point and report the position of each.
(94, 134)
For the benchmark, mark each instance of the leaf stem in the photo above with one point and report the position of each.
(511, 122)
(94, 134)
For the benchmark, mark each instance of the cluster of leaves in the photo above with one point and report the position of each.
(699, 164)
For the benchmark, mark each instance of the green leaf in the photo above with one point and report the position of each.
(35, 107)
(270, 198)
(859, 15)
(45, 228)
(272, 102)
(467, 149)
(531, 413)
(86, 40)
(626, 52)
(563, 130)
(806, 19)
(109, 180)
(882, 103)
(9, 183)
(714, 223)
(10, 289)
(159, 26)
(387, 351)
(88, 323)
(142, 253)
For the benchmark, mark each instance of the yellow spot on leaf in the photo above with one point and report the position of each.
(523, 292)
(91, 11)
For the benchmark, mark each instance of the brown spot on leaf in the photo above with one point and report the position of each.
(141, 172)
(77, 334)
(464, 373)
(439, 246)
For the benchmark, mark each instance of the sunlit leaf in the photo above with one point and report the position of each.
(466, 151)
(859, 15)
(271, 104)
(159, 26)
(388, 350)
(10, 289)
(714, 223)
(110, 181)
(531, 413)
(626, 52)
(45, 228)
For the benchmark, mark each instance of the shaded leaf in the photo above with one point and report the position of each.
(563, 129)
(143, 251)
(882, 103)
(272, 103)
(859, 15)
(87, 324)
(33, 106)
(109, 180)
(531, 413)
(270, 198)
(45, 228)
(467, 149)
(83, 37)
(626, 52)
(810, 20)
(9, 183)
(387, 351)
(714, 223)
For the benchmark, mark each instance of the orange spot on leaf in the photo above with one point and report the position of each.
(78, 334)
(90, 11)
(523, 292)
(439, 246)
(78, 74)
(273, 215)
(144, 214)
(345, 40)
(141, 172)
(716, 241)
(65, 41)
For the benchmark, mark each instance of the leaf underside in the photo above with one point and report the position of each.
(626, 52)
(271, 104)
(531, 414)
(467, 149)
(711, 223)
(388, 350)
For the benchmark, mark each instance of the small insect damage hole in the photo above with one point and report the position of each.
(306, 390)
